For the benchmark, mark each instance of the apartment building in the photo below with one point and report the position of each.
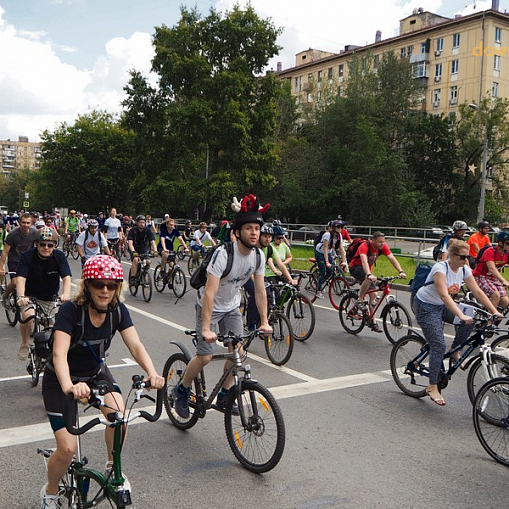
(19, 155)
(455, 60)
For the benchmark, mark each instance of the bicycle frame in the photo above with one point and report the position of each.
(386, 298)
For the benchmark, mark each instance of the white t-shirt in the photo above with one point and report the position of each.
(202, 237)
(228, 294)
(113, 224)
(454, 281)
(327, 236)
(92, 247)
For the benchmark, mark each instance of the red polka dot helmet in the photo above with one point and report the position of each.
(103, 267)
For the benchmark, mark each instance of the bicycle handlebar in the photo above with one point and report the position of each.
(34, 304)
(235, 339)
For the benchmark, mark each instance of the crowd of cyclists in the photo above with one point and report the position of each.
(262, 252)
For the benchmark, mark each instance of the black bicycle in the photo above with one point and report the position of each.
(173, 277)
(10, 305)
(142, 278)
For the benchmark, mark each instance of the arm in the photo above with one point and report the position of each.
(441, 286)
(326, 252)
(20, 290)
(181, 240)
(3, 258)
(496, 273)
(396, 265)
(66, 289)
(261, 301)
(366, 267)
(480, 295)
(342, 253)
(284, 270)
(288, 257)
(211, 288)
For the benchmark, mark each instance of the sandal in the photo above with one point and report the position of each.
(440, 401)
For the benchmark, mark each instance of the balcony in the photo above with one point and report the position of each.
(419, 57)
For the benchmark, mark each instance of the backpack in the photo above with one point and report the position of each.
(480, 254)
(199, 277)
(318, 238)
(439, 246)
(351, 250)
(421, 275)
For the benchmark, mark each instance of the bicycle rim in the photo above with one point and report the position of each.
(179, 283)
(337, 288)
(310, 287)
(350, 316)
(396, 321)
(159, 279)
(11, 310)
(279, 344)
(258, 445)
(479, 374)
(491, 419)
(192, 265)
(146, 286)
(91, 491)
(301, 313)
(133, 287)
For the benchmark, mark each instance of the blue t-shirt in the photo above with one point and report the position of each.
(169, 237)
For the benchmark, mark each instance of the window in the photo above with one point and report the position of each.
(403, 52)
(310, 98)
(436, 95)
(454, 66)
(329, 74)
(453, 96)
(340, 91)
(440, 44)
(496, 62)
(498, 34)
(456, 41)
(419, 70)
(494, 90)
(310, 77)
(409, 50)
(423, 47)
(438, 70)
(298, 84)
(340, 70)
(376, 61)
(319, 97)
(319, 76)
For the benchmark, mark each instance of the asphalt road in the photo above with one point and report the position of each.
(353, 439)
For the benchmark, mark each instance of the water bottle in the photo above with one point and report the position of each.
(375, 302)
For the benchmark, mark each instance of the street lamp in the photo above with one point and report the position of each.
(484, 162)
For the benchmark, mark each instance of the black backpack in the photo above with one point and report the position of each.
(352, 249)
(199, 277)
(439, 246)
(481, 253)
(318, 238)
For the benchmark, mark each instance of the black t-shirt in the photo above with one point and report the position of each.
(82, 362)
(42, 274)
(141, 238)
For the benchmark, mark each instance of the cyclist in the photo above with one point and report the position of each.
(218, 301)
(434, 305)
(277, 222)
(84, 330)
(324, 252)
(140, 240)
(477, 241)
(101, 220)
(91, 242)
(167, 237)
(487, 271)
(200, 236)
(19, 240)
(151, 224)
(38, 275)
(226, 233)
(360, 269)
(188, 231)
(280, 246)
(459, 228)
(113, 229)
(71, 225)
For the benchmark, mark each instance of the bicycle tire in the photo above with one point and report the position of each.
(34, 368)
(500, 346)
(65, 248)
(159, 279)
(260, 444)
(173, 370)
(74, 251)
(406, 351)
(310, 287)
(477, 376)
(146, 285)
(133, 287)
(94, 494)
(180, 252)
(351, 318)
(490, 415)
(178, 282)
(337, 287)
(301, 313)
(396, 321)
(11, 310)
(279, 344)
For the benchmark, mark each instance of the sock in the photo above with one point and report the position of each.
(222, 393)
(182, 390)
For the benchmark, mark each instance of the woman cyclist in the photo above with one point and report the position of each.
(83, 332)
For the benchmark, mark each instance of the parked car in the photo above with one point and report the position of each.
(446, 229)
(434, 232)
(305, 233)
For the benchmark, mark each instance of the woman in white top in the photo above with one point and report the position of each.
(434, 304)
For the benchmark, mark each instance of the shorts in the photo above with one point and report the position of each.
(54, 399)
(230, 321)
(357, 272)
(12, 267)
(197, 247)
(490, 285)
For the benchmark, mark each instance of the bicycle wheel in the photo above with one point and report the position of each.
(11, 309)
(192, 264)
(172, 372)
(34, 368)
(479, 374)
(180, 252)
(159, 279)
(178, 282)
(89, 493)
(491, 419)
(279, 344)
(396, 321)
(500, 345)
(146, 285)
(337, 287)
(259, 443)
(310, 287)
(133, 286)
(350, 316)
(301, 313)
(74, 250)
(407, 365)
(65, 248)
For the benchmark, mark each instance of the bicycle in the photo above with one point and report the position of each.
(174, 277)
(410, 354)
(181, 254)
(395, 318)
(257, 435)
(195, 259)
(490, 414)
(10, 305)
(334, 279)
(69, 246)
(142, 278)
(85, 487)
(115, 247)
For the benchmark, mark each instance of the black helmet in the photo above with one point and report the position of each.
(483, 224)
(250, 212)
(141, 217)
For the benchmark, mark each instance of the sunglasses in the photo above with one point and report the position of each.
(279, 238)
(462, 257)
(47, 244)
(99, 285)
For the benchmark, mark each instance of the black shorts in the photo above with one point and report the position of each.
(54, 398)
(357, 272)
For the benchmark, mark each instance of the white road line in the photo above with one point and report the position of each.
(37, 432)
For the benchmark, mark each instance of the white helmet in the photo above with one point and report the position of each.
(459, 225)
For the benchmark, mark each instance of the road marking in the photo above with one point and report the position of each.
(21, 435)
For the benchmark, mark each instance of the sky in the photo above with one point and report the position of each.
(63, 58)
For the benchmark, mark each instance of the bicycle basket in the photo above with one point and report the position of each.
(42, 343)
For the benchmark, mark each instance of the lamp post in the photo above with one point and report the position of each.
(484, 162)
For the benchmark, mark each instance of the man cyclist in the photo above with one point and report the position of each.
(38, 275)
(167, 236)
(360, 269)
(140, 240)
(201, 235)
(459, 229)
(477, 241)
(72, 225)
(113, 228)
(101, 220)
(187, 234)
(91, 242)
(218, 302)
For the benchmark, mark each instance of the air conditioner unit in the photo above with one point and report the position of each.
(453, 101)
(438, 78)
(436, 104)
(438, 53)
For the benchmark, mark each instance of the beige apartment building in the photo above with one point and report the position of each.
(19, 155)
(455, 60)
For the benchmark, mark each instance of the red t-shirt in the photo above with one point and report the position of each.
(346, 235)
(490, 255)
(366, 248)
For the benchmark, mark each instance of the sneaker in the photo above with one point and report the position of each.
(180, 402)
(23, 353)
(108, 472)
(374, 327)
(50, 501)
(220, 405)
(319, 295)
(362, 305)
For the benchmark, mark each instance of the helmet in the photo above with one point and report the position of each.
(483, 224)
(503, 237)
(250, 212)
(459, 225)
(278, 230)
(40, 223)
(93, 223)
(46, 234)
(72, 211)
(141, 217)
(103, 267)
(266, 229)
(276, 222)
(85, 215)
